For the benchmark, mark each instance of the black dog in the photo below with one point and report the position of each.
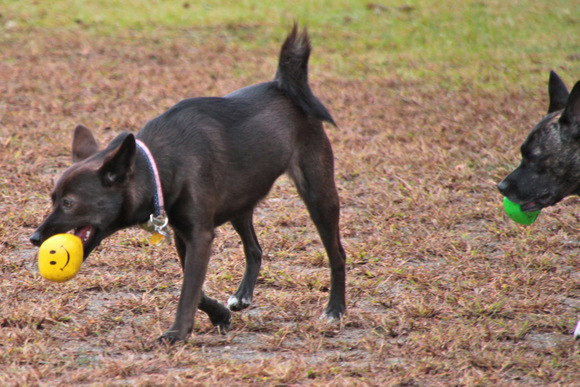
(550, 167)
(216, 159)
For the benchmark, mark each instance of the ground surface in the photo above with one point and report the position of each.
(442, 288)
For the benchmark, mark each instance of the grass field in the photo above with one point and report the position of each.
(432, 100)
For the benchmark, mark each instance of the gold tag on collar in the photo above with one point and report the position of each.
(158, 227)
(156, 238)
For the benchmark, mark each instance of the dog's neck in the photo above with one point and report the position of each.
(159, 205)
(157, 223)
(139, 194)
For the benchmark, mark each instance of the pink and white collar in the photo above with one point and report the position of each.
(157, 223)
(159, 209)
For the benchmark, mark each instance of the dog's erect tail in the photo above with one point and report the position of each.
(292, 75)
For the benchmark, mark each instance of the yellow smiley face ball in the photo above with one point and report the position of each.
(60, 257)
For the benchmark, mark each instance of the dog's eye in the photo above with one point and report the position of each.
(532, 159)
(67, 203)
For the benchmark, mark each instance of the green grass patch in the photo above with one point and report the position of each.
(471, 44)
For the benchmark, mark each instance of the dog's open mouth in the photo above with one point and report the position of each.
(86, 234)
(537, 204)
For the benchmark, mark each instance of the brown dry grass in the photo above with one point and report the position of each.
(442, 289)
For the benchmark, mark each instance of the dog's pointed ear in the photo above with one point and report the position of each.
(558, 93)
(119, 164)
(571, 114)
(84, 144)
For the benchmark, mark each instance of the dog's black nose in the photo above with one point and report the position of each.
(36, 238)
(502, 187)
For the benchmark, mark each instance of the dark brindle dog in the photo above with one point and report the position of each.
(216, 159)
(550, 167)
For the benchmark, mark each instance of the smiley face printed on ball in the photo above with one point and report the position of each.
(53, 252)
(60, 257)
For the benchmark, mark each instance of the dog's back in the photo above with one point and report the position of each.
(248, 135)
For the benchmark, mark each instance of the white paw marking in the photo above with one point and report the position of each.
(235, 302)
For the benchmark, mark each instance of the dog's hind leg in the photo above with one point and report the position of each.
(244, 226)
(218, 314)
(312, 170)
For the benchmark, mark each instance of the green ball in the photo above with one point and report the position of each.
(515, 213)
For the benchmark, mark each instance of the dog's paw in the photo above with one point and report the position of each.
(333, 314)
(170, 338)
(222, 322)
(236, 303)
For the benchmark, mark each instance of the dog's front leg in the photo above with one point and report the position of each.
(197, 252)
(219, 315)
